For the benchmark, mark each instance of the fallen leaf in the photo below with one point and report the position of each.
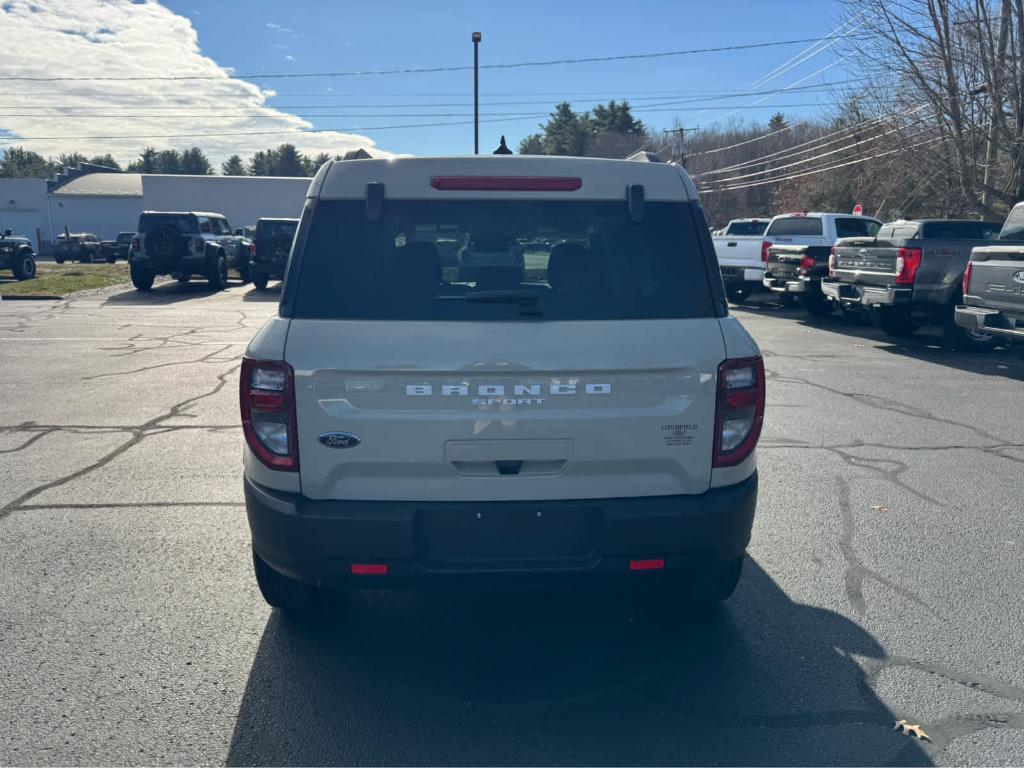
(879, 508)
(911, 730)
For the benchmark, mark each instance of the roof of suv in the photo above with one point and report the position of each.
(410, 178)
(207, 214)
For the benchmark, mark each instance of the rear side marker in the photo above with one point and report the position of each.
(646, 565)
(370, 569)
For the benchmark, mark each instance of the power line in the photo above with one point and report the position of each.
(414, 70)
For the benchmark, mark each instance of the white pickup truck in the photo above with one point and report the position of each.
(738, 248)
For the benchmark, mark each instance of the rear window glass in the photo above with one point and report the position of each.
(276, 229)
(746, 228)
(501, 260)
(795, 225)
(181, 222)
(960, 230)
(1013, 229)
(856, 227)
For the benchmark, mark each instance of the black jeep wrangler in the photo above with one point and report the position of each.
(16, 254)
(272, 243)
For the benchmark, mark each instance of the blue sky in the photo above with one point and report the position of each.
(268, 36)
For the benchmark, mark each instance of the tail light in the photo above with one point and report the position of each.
(267, 398)
(807, 263)
(832, 263)
(199, 245)
(252, 250)
(907, 262)
(739, 413)
(967, 280)
(765, 245)
(135, 244)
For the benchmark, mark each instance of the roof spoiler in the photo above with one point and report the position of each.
(645, 157)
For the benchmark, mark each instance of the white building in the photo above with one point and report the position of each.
(108, 203)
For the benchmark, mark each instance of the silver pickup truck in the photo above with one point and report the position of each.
(993, 285)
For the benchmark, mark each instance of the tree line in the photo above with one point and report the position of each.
(283, 160)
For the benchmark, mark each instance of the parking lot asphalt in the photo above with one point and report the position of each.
(884, 579)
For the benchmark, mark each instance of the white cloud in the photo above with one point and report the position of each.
(278, 27)
(289, 57)
(119, 38)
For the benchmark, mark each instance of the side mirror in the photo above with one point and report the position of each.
(8, 232)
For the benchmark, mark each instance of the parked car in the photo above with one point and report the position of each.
(77, 246)
(118, 248)
(807, 229)
(182, 244)
(17, 255)
(993, 286)
(492, 259)
(268, 255)
(404, 427)
(909, 275)
(739, 255)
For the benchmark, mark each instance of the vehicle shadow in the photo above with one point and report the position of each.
(271, 293)
(563, 676)
(168, 292)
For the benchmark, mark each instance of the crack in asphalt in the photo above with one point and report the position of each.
(139, 434)
(208, 358)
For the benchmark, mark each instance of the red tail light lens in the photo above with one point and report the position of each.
(135, 244)
(907, 262)
(967, 280)
(807, 264)
(267, 399)
(506, 183)
(252, 249)
(765, 245)
(740, 410)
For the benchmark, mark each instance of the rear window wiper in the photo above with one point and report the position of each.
(528, 301)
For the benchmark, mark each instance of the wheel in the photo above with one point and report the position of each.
(279, 591)
(966, 339)
(142, 278)
(895, 321)
(24, 266)
(58, 259)
(217, 274)
(244, 272)
(717, 582)
(111, 258)
(260, 280)
(817, 305)
(787, 300)
(165, 244)
(737, 293)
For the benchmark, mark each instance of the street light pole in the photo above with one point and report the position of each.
(476, 93)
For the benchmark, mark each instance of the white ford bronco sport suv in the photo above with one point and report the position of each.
(590, 409)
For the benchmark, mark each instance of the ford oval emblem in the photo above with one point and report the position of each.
(340, 439)
(1018, 277)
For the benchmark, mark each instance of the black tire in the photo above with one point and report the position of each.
(260, 280)
(142, 278)
(111, 258)
(965, 339)
(895, 321)
(288, 595)
(24, 266)
(244, 272)
(787, 300)
(717, 582)
(217, 274)
(817, 304)
(58, 260)
(737, 293)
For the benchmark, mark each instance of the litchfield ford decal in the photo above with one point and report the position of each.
(340, 439)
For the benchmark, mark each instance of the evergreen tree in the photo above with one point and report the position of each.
(564, 133)
(532, 145)
(105, 160)
(21, 163)
(233, 166)
(195, 163)
(148, 162)
(168, 161)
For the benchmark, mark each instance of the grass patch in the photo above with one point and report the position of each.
(62, 279)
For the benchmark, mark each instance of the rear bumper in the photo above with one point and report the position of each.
(741, 274)
(269, 268)
(317, 542)
(787, 284)
(865, 295)
(989, 321)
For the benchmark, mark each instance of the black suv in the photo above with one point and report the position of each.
(182, 244)
(16, 254)
(270, 250)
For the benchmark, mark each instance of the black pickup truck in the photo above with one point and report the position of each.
(993, 285)
(909, 275)
(797, 270)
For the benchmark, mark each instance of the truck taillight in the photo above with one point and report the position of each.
(907, 262)
(252, 250)
(967, 279)
(832, 263)
(765, 245)
(739, 412)
(267, 399)
(807, 264)
(135, 244)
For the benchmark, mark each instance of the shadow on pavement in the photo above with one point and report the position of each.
(167, 293)
(271, 293)
(560, 676)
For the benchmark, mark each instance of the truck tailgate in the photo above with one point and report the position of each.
(865, 262)
(997, 279)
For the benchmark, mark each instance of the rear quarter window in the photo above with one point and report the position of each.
(960, 230)
(183, 223)
(499, 260)
(856, 227)
(746, 228)
(795, 225)
(1013, 229)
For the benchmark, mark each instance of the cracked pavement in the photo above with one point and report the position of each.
(131, 630)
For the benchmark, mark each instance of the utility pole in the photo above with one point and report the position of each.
(476, 92)
(995, 95)
(680, 132)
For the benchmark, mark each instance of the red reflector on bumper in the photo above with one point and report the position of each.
(646, 565)
(369, 569)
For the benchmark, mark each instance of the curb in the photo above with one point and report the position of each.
(31, 297)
